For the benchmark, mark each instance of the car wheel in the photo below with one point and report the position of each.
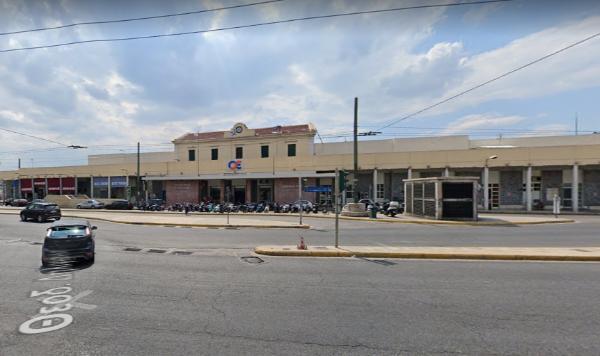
(40, 219)
(23, 218)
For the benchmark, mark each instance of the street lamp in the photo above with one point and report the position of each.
(489, 158)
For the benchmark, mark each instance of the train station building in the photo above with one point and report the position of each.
(284, 163)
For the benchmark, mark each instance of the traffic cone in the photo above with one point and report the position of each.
(302, 245)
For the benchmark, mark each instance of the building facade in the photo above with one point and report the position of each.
(282, 163)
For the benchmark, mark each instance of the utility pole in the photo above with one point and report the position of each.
(138, 181)
(355, 179)
(576, 124)
(336, 200)
(300, 205)
(19, 164)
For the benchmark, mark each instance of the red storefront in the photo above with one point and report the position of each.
(26, 188)
(54, 186)
(68, 185)
(39, 188)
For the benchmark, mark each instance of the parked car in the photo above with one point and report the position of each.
(119, 205)
(68, 241)
(40, 212)
(90, 204)
(16, 202)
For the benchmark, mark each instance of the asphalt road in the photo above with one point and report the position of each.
(213, 302)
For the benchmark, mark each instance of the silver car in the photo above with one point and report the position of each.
(90, 204)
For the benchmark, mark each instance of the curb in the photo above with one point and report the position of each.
(429, 256)
(380, 220)
(192, 225)
(179, 225)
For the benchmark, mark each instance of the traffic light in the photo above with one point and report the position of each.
(342, 176)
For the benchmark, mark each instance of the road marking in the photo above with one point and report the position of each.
(58, 301)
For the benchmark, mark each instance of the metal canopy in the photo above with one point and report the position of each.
(230, 176)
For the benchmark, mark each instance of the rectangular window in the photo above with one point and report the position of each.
(239, 152)
(291, 150)
(191, 155)
(380, 191)
(264, 151)
(214, 154)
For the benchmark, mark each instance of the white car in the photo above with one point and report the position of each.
(90, 204)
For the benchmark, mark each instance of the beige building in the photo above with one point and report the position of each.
(282, 163)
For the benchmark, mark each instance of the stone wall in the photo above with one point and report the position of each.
(286, 190)
(511, 187)
(182, 191)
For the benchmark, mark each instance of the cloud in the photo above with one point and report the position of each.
(429, 74)
(155, 90)
(478, 121)
(574, 69)
(477, 15)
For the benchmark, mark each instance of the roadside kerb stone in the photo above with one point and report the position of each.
(485, 220)
(449, 253)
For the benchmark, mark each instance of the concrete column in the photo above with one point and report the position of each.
(409, 173)
(76, 186)
(45, 187)
(60, 186)
(486, 188)
(528, 195)
(222, 191)
(109, 187)
(575, 189)
(374, 184)
(127, 189)
(92, 187)
(446, 172)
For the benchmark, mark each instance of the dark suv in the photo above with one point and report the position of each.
(119, 205)
(67, 241)
(41, 212)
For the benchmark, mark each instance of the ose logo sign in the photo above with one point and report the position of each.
(234, 164)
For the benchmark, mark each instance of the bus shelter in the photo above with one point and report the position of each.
(448, 198)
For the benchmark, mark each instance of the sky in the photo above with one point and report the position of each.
(110, 95)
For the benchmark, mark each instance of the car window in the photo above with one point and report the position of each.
(50, 207)
(65, 232)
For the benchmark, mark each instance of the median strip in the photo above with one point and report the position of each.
(448, 253)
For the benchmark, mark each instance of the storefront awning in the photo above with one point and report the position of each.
(230, 176)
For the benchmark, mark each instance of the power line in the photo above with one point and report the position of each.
(499, 130)
(138, 18)
(306, 18)
(33, 136)
(491, 80)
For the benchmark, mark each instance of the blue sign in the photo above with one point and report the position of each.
(318, 189)
(118, 182)
(234, 164)
(100, 181)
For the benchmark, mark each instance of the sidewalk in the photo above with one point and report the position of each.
(447, 253)
(247, 218)
(179, 219)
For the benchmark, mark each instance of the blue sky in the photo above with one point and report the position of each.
(111, 95)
